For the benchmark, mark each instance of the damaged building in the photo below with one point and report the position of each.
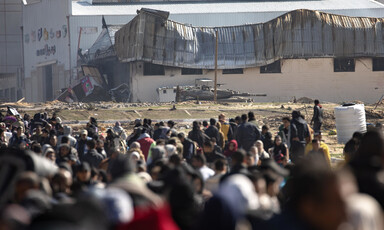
(63, 36)
(301, 53)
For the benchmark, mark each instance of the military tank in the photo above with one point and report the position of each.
(204, 90)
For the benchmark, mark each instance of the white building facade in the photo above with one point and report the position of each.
(11, 66)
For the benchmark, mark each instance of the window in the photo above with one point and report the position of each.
(344, 65)
(271, 68)
(232, 71)
(164, 91)
(174, 90)
(153, 69)
(378, 64)
(188, 71)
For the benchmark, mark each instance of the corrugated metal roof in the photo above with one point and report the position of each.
(84, 8)
(297, 34)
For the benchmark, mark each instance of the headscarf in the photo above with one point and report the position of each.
(228, 152)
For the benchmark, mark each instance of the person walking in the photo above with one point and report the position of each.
(317, 118)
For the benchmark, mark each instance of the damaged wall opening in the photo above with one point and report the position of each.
(378, 64)
(189, 71)
(344, 65)
(233, 71)
(153, 69)
(271, 68)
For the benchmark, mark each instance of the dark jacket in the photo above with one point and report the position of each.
(93, 158)
(15, 141)
(188, 149)
(317, 114)
(247, 135)
(212, 131)
(299, 129)
(198, 136)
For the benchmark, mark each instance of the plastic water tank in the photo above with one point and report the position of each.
(349, 119)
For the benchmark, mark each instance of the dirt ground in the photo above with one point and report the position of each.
(76, 114)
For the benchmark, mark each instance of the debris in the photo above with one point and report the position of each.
(305, 100)
(19, 101)
(137, 113)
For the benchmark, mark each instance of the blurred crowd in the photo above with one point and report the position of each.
(222, 174)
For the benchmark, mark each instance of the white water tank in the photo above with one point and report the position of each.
(349, 119)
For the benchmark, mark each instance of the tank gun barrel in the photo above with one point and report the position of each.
(249, 95)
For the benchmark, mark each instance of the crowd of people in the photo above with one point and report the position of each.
(223, 174)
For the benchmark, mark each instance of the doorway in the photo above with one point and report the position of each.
(48, 83)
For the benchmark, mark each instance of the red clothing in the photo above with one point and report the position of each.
(229, 153)
(151, 219)
(145, 145)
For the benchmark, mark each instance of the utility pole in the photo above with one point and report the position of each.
(216, 45)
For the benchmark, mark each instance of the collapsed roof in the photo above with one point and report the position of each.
(151, 37)
(104, 44)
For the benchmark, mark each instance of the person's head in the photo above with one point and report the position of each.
(83, 134)
(259, 145)
(181, 136)
(53, 140)
(222, 118)
(196, 125)
(48, 127)
(212, 121)
(277, 141)
(249, 159)
(213, 141)
(296, 114)
(93, 121)
(237, 119)
(232, 146)
(100, 144)
(205, 123)
(315, 144)
(91, 144)
(220, 166)
(171, 124)
(50, 154)
(64, 140)
(83, 172)
(57, 120)
(198, 161)
(371, 149)
(317, 102)
(3, 126)
(255, 153)
(218, 125)
(64, 150)
(134, 145)
(251, 115)
(120, 166)
(357, 136)
(44, 133)
(207, 147)
(315, 194)
(36, 148)
(19, 130)
(26, 181)
(135, 156)
(264, 129)
(38, 129)
(349, 150)
(286, 122)
(238, 157)
(244, 118)
(62, 181)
